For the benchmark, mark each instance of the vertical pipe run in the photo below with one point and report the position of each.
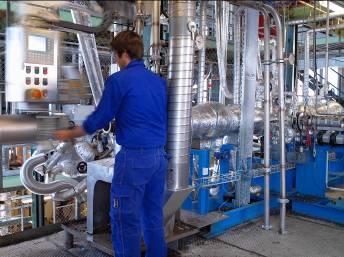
(156, 36)
(139, 18)
(202, 85)
(267, 224)
(237, 53)
(306, 68)
(180, 75)
(283, 195)
(326, 53)
(221, 30)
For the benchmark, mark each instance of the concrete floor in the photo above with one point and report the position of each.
(306, 238)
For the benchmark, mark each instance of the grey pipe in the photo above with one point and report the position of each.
(72, 192)
(306, 68)
(202, 86)
(139, 22)
(16, 129)
(311, 20)
(180, 75)
(59, 151)
(156, 36)
(38, 187)
(283, 196)
(326, 52)
(267, 224)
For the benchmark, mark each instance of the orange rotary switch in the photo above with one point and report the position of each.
(33, 94)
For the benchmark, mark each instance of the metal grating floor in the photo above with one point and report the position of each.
(306, 238)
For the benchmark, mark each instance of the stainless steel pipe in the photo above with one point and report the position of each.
(267, 224)
(180, 75)
(139, 19)
(156, 36)
(311, 20)
(280, 59)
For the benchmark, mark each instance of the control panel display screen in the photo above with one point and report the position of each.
(37, 43)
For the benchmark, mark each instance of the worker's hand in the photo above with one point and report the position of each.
(63, 135)
(67, 134)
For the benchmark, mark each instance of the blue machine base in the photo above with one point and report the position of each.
(321, 209)
(239, 216)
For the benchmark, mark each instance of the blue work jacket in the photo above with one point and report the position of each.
(136, 98)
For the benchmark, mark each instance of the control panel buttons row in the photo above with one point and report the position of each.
(36, 81)
(36, 70)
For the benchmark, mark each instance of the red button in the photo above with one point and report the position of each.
(45, 70)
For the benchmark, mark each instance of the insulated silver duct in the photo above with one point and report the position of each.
(180, 75)
(214, 120)
(41, 188)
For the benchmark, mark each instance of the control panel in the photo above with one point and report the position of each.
(32, 62)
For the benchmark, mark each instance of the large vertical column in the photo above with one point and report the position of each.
(180, 74)
(248, 89)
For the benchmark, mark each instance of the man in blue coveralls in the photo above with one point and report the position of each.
(136, 98)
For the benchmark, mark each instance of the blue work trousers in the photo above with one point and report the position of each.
(137, 198)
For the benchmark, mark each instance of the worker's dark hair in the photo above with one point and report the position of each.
(130, 42)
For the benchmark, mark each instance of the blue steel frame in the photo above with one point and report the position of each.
(311, 184)
(206, 203)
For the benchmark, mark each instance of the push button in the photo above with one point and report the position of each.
(28, 69)
(45, 70)
(36, 70)
(45, 81)
(36, 81)
(28, 80)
